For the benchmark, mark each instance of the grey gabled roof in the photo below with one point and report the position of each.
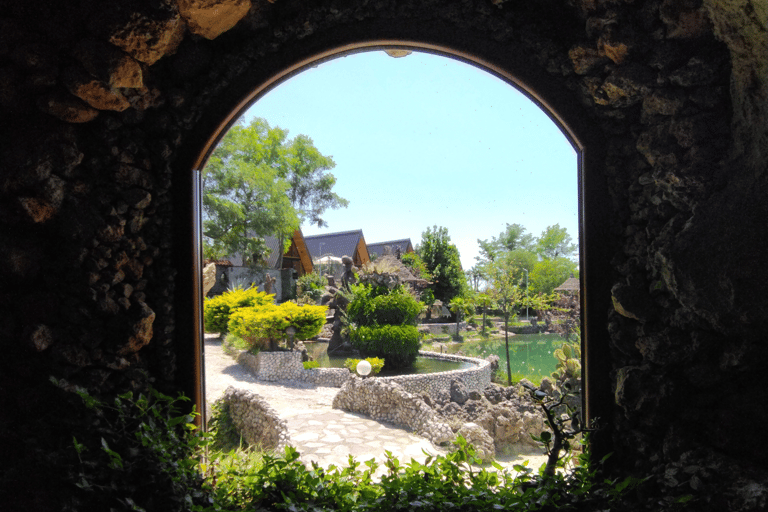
(569, 285)
(378, 248)
(275, 250)
(339, 244)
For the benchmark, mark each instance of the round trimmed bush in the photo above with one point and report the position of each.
(217, 310)
(258, 325)
(398, 345)
(395, 308)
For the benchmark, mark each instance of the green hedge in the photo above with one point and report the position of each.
(217, 310)
(398, 345)
(369, 309)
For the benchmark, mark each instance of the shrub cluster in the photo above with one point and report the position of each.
(395, 308)
(144, 453)
(399, 344)
(217, 310)
(311, 286)
(385, 324)
(261, 324)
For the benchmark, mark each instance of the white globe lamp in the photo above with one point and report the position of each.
(363, 368)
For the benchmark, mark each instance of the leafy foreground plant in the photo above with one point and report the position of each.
(442, 483)
(144, 454)
(135, 453)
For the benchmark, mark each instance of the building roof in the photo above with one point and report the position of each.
(378, 247)
(275, 250)
(570, 285)
(343, 243)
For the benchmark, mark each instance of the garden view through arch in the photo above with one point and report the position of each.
(577, 141)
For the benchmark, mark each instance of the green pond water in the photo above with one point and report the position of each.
(319, 352)
(529, 354)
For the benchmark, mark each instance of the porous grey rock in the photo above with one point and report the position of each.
(478, 437)
(459, 392)
(388, 401)
(494, 393)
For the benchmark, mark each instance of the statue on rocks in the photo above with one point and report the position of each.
(269, 282)
(349, 275)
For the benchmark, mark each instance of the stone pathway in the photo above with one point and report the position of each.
(319, 432)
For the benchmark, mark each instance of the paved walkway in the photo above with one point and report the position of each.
(319, 432)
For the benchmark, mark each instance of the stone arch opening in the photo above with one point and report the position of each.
(544, 92)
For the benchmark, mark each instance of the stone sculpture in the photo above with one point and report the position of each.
(349, 275)
(269, 283)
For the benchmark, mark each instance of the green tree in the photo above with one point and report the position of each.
(442, 260)
(513, 238)
(259, 183)
(305, 170)
(555, 242)
(244, 201)
(548, 274)
(506, 293)
(460, 306)
(513, 244)
(509, 295)
(485, 301)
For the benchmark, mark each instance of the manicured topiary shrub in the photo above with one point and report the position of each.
(385, 324)
(217, 310)
(261, 324)
(395, 308)
(398, 345)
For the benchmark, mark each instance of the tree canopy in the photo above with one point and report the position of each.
(541, 263)
(442, 260)
(259, 183)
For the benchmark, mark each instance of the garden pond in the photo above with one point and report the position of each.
(529, 354)
(319, 352)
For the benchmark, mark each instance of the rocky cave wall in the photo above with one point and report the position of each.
(102, 103)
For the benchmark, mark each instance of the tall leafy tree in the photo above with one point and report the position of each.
(259, 183)
(244, 200)
(508, 294)
(442, 260)
(311, 186)
(555, 242)
(513, 238)
(550, 273)
(515, 245)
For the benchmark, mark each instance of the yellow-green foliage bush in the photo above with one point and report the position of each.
(307, 319)
(217, 310)
(258, 325)
(376, 364)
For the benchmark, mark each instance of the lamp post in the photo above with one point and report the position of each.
(290, 331)
(363, 368)
(526, 295)
(321, 257)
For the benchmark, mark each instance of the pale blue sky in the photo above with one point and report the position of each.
(426, 140)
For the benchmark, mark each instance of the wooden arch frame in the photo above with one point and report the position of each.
(503, 62)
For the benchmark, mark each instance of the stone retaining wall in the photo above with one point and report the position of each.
(475, 379)
(385, 400)
(277, 366)
(256, 421)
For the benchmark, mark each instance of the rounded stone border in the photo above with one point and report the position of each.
(475, 379)
(284, 366)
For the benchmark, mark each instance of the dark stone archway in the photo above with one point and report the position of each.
(107, 105)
